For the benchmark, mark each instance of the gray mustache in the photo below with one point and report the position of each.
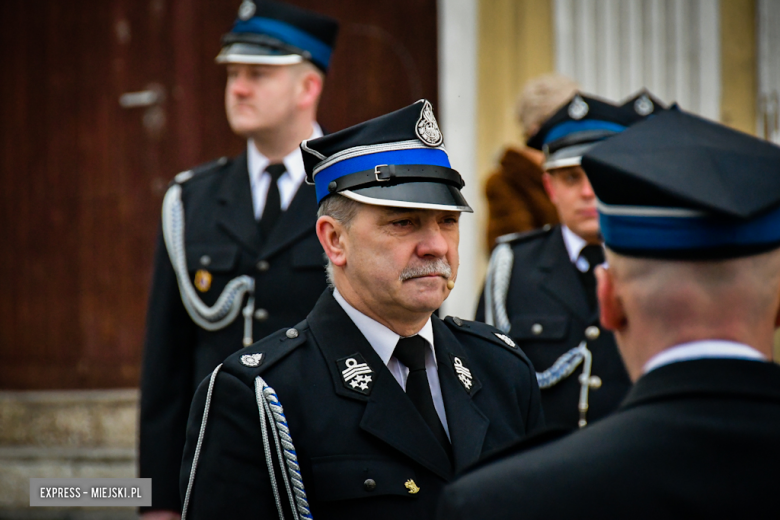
(439, 267)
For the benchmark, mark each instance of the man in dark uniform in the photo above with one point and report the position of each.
(238, 257)
(690, 212)
(382, 402)
(540, 287)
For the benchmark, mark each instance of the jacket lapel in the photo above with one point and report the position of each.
(559, 278)
(299, 218)
(467, 424)
(389, 414)
(235, 214)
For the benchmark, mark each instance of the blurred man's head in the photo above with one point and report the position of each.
(540, 98)
(276, 56)
(563, 138)
(389, 215)
(690, 214)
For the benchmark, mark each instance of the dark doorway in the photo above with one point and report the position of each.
(83, 175)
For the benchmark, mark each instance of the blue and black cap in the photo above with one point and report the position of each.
(396, 160)
(576, 127)
(677, 186)
(275, 33)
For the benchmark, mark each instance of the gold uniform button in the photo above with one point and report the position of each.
(261, 314)
(369, 484)
(537, 328)
(263, 266)
(592, 332)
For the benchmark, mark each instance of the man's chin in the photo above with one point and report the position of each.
(426, 293)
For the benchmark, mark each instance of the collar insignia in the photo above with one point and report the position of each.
(252, 360)
(506, 339)
(356, 374)
(463, 374)
(427, 129)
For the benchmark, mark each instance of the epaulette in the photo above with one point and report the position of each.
(485, 331)
(253, 360)
(521, 236)
(187, 175)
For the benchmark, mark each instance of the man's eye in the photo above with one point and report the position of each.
(402, 223)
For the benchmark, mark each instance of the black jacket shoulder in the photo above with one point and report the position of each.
(525, 236)
(252, 361)
(487, 332)
(201, 171)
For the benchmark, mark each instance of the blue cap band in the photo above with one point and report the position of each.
(289, 34)
(432, 156)
(630, 232)
(570, 127)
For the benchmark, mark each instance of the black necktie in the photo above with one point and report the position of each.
(273, 203)
(411, 352)
(594, 254)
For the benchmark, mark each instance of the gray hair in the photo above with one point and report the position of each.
(342, 210)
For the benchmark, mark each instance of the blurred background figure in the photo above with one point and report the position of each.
(540, 287)
(515, 195)
(690, 212)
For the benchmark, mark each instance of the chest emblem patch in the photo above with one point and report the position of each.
(356, 374)
(463, 374)
(203, 280)
(252, 360)
(506, 339)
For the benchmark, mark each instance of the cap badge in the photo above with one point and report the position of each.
(463, 373)
(427, 129)
(246, 10)
(202, 280)
(644, 105)
(506, 339)
(252, 360)
(356, 374)
(578, 108)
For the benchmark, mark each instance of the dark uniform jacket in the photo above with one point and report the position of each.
(356, 452)
(222, 237)
(549, 312)
(694, 439)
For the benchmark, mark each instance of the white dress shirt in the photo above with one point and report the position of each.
(384, 340)
(705, 349)
(574, 246)
(288, 183)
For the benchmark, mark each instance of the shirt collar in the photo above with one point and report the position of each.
(293, 162)
(382, 339)
(574, 243)
(711, 348)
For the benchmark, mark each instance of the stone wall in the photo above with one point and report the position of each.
(65, 434)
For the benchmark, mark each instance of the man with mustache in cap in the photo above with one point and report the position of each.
(238, 257)
(372, 404)
(690, 212)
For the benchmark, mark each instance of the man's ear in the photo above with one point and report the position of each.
(549, 187)
(612, 313)
(332, 236)
(310, 87)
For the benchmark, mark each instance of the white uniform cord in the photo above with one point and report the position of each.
(200, 442)
(228, 305)
(268, 405)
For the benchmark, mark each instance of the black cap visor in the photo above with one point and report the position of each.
(418, 195)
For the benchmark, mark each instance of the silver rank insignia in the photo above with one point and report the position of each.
(578, 108)
(246, 10)
(356, 374)
(427, 129)
(252, 360)
(462, 373)
(506, 339)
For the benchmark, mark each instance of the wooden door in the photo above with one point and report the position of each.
(83, 175)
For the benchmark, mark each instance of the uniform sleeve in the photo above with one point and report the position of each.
(231, 477)
(166, 384)
(535, 416)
